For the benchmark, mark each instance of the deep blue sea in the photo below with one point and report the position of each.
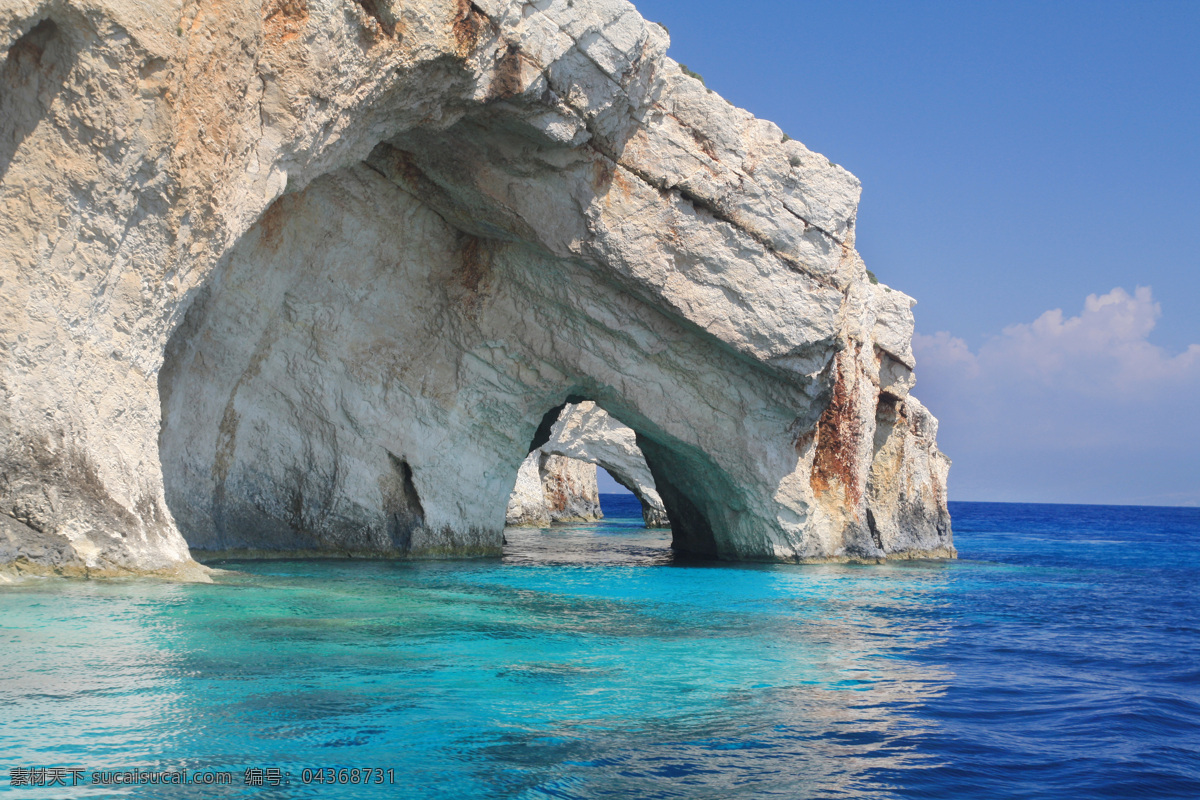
(1059, 657)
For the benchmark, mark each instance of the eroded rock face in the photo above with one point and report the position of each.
(309, 275)
(552, 488)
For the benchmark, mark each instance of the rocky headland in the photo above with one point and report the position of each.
(316, 276)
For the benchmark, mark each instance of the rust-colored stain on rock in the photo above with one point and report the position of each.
(469, 22)
(372, 9)
(602, 174)
(838, 435)
(272, 221)
(506, 81)
(475, 267)
(285, 19)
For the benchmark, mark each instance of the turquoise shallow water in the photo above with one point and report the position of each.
(1060, 657)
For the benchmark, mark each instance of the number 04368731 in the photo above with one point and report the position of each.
(355, 775)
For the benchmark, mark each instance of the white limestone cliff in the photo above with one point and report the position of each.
(307, 275)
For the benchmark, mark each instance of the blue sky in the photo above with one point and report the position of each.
(1016, 158)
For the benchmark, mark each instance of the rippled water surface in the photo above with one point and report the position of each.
(1059, 657)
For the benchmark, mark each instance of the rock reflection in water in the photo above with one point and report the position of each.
(587, 663)
(794, 682)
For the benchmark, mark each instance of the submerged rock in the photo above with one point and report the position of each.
(308, 277)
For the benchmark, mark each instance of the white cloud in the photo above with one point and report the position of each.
(1104, 349)
(1064, 396)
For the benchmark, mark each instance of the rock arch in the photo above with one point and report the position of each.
(587, 433)
(557, 480)
(353, 329)
(571, 215)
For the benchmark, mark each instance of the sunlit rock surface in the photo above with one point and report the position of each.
(527, 503)
(552, 488)
(308, 276)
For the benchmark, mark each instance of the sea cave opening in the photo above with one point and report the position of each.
(560, 479)
(360, 377)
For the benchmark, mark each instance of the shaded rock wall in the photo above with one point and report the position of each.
(296, 275)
